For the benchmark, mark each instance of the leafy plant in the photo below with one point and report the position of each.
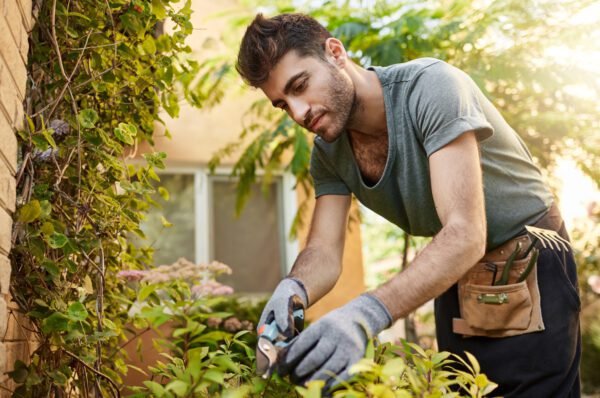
(203, 356)
(207, 350)
(409, 371)
(98, 74)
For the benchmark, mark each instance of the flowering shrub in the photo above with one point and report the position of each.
(202, 277)
(210, 352)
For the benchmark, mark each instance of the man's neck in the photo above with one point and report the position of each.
(368, 118)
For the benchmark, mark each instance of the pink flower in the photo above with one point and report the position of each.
(247, 325)
(219, 268)
(211, 288)
(214, 322)
(232, 325)
(131, 275)
(222, 290)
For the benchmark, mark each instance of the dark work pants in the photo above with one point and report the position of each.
(535, 365)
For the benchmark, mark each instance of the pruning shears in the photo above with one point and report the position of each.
(271, 341)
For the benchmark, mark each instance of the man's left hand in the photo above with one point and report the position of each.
(328, 348)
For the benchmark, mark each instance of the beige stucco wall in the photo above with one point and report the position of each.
(198, 134)
(15, 23)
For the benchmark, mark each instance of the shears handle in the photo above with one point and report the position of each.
(271, 332)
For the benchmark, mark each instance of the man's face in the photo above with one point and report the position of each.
(315, 93)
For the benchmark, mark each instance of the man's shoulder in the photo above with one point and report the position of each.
(405, 71)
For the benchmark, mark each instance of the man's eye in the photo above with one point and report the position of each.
(300, 86)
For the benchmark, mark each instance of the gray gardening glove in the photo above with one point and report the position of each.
(280, 305)
(335, 342)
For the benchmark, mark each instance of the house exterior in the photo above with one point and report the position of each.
(201, 205)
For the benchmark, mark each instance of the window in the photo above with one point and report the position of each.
(202, 210)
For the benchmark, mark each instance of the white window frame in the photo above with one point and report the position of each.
(203, 202)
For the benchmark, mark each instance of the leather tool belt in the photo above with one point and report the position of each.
(513, 307)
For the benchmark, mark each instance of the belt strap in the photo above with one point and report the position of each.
(553, 220)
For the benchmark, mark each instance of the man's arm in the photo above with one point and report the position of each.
(457, 188)
(319, 264)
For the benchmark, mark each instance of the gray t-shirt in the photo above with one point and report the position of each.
(428, 104)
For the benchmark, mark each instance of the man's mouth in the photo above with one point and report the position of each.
(315, 121)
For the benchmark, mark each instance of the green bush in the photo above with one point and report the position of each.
(209, 354)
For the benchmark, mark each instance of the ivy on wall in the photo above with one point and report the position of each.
(98, 73)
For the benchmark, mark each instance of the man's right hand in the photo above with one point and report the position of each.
(280, 306)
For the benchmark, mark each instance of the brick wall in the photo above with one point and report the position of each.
(15, 22)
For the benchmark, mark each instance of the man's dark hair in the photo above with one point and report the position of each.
(267, 40)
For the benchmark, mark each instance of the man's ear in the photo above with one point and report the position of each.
(335, 52)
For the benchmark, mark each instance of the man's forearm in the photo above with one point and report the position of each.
(318, 270)
(452, 252)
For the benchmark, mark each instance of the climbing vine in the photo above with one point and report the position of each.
(99, 72)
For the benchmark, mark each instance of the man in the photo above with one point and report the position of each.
(419, 144)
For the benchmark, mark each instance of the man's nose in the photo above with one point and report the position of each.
(299, 109)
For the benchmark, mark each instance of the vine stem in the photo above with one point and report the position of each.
(69, 78)
(97, 372)
(100, 304)
(135, 336)
(55, 40)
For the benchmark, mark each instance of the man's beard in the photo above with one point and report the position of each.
(341, 106)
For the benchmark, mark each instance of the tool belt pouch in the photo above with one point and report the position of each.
(498, 311)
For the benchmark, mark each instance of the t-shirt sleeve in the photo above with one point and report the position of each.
(326, 181)
(444, 102)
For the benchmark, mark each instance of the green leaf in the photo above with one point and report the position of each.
(51, 268)
(362, 366)
(30, 212)
(165, 223)
(474, 362)
(48, 136)
(439, 357)
(481, 381)
(394, 367)
(158, 8)
(57, 322)
(313, 389)
(301, 157)
(238, 392)
(20, 372)
(47, 228)
(59, 377)
(57, 240)
(146, 291)
(126, 133)
(46, 208)
(197, 354)
(215, 376)
(418, 349)
(77, 14)
(30, 124)
(88, 118)
(122, 136)
(77, 312)
(179, 387)
(164, 193)
(157, 389)
(370, 350)
(149, 46)
(156, 159)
